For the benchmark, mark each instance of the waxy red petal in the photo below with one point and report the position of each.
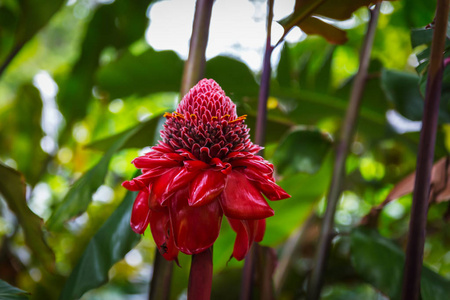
(241, 200)
(195, 165)
(181, 179)
(206, 187)
(269, 188)
(159, 186)
(256, 162)
(133, 185)
(260, 230)
(242, 242)
(195, 228)
(144, 162)
(141, 213)
(161, 232)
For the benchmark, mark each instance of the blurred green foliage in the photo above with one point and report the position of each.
(108, 89)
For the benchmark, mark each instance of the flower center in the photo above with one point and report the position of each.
(206, 124)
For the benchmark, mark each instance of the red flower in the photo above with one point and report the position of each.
(204, 168)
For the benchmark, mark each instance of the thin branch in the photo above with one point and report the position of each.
(347, 133)
(249, 266)
(200, 276)
(417, 225)
(194, 69)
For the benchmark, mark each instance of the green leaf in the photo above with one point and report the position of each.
(380, 262)
(144, 134)
(80, 195)
(9, 292)
(301, 150)
(149, 72)
(12, 187)
(22, 133)
(284, 67)
(109, 245)
(402, 89)
(116, 25)
(23, 21)
(235, 78)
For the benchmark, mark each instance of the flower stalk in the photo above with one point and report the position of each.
(200, 276)
(417, 225)
(343, 145)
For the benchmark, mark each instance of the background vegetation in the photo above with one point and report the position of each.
(81, 93)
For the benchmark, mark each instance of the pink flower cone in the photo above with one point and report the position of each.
(204, 167)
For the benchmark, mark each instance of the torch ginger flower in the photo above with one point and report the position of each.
(204, 167)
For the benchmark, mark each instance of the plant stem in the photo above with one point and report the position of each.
(194, 69)
(200, 276)
(249, 265)
(347, 133)
(417, 225)
(160, 284)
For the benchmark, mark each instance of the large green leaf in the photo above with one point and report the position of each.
(20, 22)
(380, 262)
(235, 78)
(21, 133)
(9, 292)
(147, 73)
(80, 195)
(118, 25)
(109, 245)
(12, 187)
(144, 135)
(403, 90)
(301, 150)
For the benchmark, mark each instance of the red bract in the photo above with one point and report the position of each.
(204, 167)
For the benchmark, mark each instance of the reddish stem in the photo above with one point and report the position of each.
(200, 276)
(417, 225)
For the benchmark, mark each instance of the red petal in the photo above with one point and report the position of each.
(178, 181)
(206, 187)
(261, 229)
(160, 227)
(195, 228)
(133, 185)
(256, 162)
(140, 213)
(144, 162)
(269, 188)
(241, 200)
(242, 242)
(195, 165)
(159, 186)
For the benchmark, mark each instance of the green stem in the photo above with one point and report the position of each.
(417, 225)
(347, 133)
(162, 277)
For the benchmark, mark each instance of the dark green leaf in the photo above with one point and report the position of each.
(301, 150)
(22, 133)
(402, 89)
(233, 76)
(284, 67)
(117, 25)
(145, 134)
(109, 245)
(380, 262)
(22, 23)
(12, 187)
(80, 195)
(9, 292)
(149, 72)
